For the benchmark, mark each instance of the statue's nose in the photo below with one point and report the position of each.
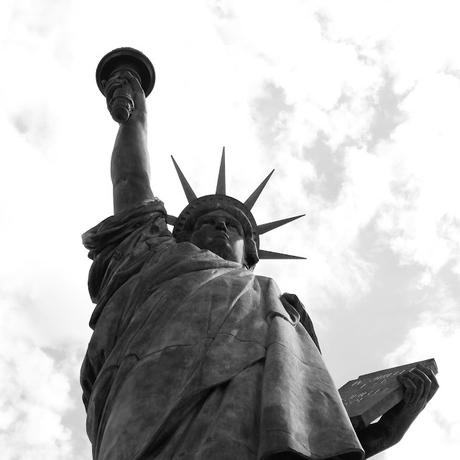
(220, 224)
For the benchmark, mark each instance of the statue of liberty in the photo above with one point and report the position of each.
(193, 355)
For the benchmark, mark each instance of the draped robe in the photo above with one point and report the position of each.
(195, 357)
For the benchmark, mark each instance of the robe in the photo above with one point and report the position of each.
(195, 357)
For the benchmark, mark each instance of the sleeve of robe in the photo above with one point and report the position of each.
(119, 246)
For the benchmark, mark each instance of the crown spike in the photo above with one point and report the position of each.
(189, 193)
(264, 228)
(249, 203)
(275, 255)
(220, 189)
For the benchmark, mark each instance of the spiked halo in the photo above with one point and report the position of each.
(183, 224)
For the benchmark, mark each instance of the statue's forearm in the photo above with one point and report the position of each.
(130, 165)
(374, 439)
(130, 156)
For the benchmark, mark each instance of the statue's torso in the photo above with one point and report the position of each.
(177, 365)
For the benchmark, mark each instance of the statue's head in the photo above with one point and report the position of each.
(224, 225)
(221, 224)
(219, 232)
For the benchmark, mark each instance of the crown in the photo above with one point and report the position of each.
(183, 224)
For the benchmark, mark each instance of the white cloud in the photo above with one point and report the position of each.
(34, 393)
(413, 39)
(436, 432)
(423, 216)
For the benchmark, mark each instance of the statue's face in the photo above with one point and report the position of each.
(219, 232)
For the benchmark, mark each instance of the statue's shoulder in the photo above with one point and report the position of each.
(264, 280)
(267, 285)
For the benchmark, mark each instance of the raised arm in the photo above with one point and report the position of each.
(130, 170)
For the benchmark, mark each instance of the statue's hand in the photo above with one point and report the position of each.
(126, 86)
(419, 385)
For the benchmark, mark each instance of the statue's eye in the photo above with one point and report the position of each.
(235, 226)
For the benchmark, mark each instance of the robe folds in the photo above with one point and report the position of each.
(195, 357)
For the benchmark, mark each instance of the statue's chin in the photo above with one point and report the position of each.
(219, 245)
(223, 249)
(225, 253)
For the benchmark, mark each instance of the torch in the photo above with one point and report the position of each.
(120, 101)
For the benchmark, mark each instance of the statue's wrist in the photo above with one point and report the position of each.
(375, 438)
(138, 119)
(393, 430)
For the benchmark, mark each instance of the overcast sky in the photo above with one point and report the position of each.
(355, 104)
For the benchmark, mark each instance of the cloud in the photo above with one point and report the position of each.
(373, 126)
(436, 433)
(34, 393)
(423, 217)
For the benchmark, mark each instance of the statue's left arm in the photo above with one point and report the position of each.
(420, 385)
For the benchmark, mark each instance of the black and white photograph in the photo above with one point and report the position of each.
(230, 230)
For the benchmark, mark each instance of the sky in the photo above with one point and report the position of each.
(355, 104)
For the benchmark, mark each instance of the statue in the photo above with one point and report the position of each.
(194, 356)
